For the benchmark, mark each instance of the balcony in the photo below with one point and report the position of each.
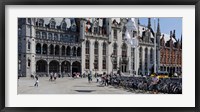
(57, 57)
(96, 35)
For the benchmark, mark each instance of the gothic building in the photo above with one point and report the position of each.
(93, 45)
(47, 45)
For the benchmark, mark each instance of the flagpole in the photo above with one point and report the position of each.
(155, 45)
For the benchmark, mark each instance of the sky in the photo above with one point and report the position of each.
(166, 25)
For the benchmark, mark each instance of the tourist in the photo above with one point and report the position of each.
(155, 81)
(36, 81)
(51, 76)
(89, 78)
(55, 76)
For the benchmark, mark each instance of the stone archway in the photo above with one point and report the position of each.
(54, 66)
(65, 67)
(76, 67)
(41, 66)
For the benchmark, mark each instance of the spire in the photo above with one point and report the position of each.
(149, 23)
(170, 34)
(158, 28)
(174, 34)
(181, 39)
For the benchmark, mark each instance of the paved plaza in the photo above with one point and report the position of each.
(66, 85)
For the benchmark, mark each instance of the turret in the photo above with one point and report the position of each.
(109, 29)
(82, 29)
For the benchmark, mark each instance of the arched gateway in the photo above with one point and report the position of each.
(76, 67)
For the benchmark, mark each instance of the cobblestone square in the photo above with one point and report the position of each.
(66, 85)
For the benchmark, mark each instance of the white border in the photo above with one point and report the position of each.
(187, 99)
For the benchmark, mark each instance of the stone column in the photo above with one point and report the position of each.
(143, 60)
(54, 53)
(48, 68)
(71, 68)
(41, 48)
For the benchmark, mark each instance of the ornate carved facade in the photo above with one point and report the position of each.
(95, 45)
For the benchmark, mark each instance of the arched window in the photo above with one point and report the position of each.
(68, 51)
(114, 58)
(74, 51)
(38, 48)
(44, 35)
(64, 26)
(96, 59)
(50, 36)
(104, 56)
(79, 51)
(41, 22)
(57, 50)
(55, 36)
(44, 49)
(37, 34)
(29, 45)
(52, 23)
(63, 50)
(51, 49)
(29, 62)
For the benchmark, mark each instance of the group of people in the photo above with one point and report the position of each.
(53, 76)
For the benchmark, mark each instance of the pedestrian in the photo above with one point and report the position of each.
(154, 83)
(89, 78)
(36, 81)
(55, 76)
(51, 76)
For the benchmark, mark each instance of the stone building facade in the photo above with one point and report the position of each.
(92, 45)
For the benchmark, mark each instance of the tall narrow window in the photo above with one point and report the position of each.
(52, 24)
(64, 26)
(140, 58)
(87, 55)
(55, 36)
(37, 34)
(29, 62)
(114, 58)
(29, 45)
(96, 59)
(40, 22)
(151, 56)
(124, 50)
(50, 36)
(44, 36)
(115, 33)
(146, 60)
(133, 58)
(104, 56)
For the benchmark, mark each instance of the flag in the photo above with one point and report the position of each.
(129, 40)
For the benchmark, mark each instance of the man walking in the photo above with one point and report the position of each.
(36, 81)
